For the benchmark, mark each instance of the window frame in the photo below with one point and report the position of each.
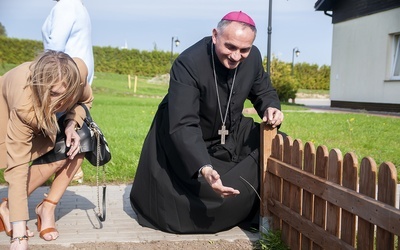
(395, 64)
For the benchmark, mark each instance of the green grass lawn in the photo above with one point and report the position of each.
(125, 117)
(363, 134)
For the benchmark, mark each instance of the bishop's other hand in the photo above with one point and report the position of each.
(213, 178)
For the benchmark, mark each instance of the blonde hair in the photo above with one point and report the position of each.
(48, 70)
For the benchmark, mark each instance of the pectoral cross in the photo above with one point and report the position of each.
(223, 132)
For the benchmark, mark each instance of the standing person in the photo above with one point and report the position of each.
(30, 97)
(68, 29)
(201, 154)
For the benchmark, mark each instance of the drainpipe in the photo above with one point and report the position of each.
(326, 13)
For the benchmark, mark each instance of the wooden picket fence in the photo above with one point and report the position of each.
(322, 200)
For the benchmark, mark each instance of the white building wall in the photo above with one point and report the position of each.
(361, 58)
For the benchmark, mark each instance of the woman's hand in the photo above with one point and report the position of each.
(213, 178)
(72, 139)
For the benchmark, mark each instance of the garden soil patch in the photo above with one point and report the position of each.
(153, 245)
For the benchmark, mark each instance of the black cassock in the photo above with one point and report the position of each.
(166, 193)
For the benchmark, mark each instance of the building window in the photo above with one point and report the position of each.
(396, 58)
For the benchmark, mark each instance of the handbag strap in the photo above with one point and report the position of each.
(88, 118)
(101, 216)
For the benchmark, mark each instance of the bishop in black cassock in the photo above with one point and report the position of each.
(168, 193)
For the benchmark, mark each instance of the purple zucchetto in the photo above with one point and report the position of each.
(239, 16)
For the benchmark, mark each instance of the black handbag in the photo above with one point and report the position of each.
(100, 155)
(59, 152)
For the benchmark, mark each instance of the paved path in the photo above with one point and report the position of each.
(320, 105)
(77, 223)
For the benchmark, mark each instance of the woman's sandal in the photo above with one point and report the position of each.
(78, 176)
(19, 239)
(39, 222)
(2, 224)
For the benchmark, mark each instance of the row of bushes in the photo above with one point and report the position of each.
(107, 59)
(152, 63)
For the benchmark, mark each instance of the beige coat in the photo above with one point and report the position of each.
(20, 140)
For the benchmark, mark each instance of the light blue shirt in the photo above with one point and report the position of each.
(68, 29)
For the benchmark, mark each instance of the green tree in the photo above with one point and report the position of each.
(3, 30)
(282, 80)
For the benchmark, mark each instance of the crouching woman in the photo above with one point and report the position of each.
(33, 97)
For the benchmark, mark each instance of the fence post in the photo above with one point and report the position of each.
(268, 133)
(134, 89)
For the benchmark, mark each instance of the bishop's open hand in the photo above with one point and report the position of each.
(213, 178)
